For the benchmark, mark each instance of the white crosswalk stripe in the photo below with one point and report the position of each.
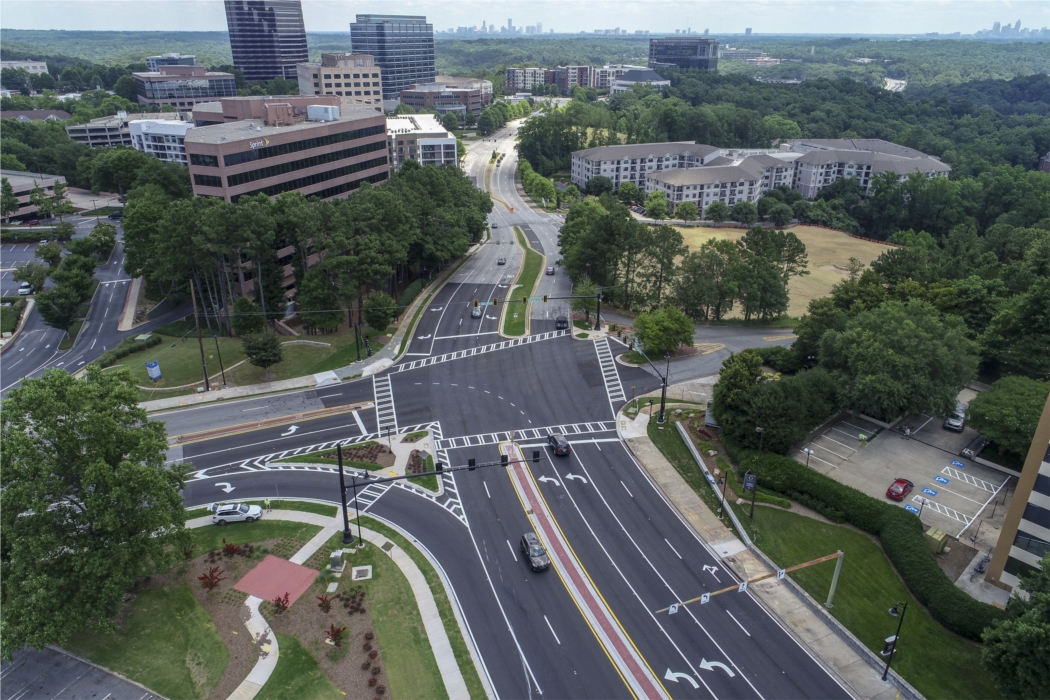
(524, 434)
(944, 510)
(971, 480)
(369, 495)
(613, 387)
(450, 356)
(384, 394)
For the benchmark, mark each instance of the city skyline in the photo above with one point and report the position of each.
(763, 16)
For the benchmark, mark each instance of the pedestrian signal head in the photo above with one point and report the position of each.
(495, 301)
(471, 464)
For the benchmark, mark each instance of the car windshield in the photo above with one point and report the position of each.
(536, 550)
(897, 487)
(243, 508)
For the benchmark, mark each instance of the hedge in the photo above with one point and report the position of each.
(410, 294)
(126, 348)
(901, 534)
(780, 358)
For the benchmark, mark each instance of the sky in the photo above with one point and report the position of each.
(721, 17)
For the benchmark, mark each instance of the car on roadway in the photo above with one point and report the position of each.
(235, 513)
(534, 552)
(116, 216)
(550, 270)
(475, 312)
(495, 225)
(957, 420)
(25, 289)
(561, 323)
(501, 261)
(899, 489)
(558, 442)
(33, 222)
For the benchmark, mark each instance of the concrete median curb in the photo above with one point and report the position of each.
(30, 305)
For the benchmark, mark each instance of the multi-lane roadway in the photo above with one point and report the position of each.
(587, 627)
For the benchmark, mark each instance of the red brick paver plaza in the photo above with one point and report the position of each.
(274, 577)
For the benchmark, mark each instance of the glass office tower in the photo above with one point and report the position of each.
(403, 46)
(267, 37)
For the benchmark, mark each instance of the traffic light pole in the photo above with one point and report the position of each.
(663, 379)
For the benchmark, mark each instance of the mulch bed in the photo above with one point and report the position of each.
(416, 463)
(374, 452)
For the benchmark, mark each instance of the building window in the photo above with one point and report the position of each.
(304, 145)
(207, 180)
(283, 168)
(201, 159)
(1032, 544)
(277, 189)
(1018, 568)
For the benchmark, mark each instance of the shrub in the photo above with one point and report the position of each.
(280, 603)
(211, 580)
(324, 602)
(410, 294)
(128, 347)
(781, 359)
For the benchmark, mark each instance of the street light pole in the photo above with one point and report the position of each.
(808, 453)
(896, 637)
(721, 508)
(598, 313)
(758, 463)
(348, 537)
(95, 207)
(663, 389)
(217, 352)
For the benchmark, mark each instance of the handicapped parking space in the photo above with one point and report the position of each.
(951, 493)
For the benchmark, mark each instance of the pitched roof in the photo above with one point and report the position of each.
(872, 145)
(644, 150)
(708, 174)
(646, 75)
(35, 115)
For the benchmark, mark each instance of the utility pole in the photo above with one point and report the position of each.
(758, 463)
(598, 315)
(200, 340)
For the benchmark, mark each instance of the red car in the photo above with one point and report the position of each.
(899, 489)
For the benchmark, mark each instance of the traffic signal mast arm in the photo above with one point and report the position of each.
(368, 480)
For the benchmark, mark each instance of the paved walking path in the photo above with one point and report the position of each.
(451, 675)
(835, 648)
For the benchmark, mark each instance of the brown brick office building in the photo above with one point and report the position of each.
(320, 154)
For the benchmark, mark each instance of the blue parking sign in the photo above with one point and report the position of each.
(940, 479)
(929, 492)
(911, 509)
(957, 463)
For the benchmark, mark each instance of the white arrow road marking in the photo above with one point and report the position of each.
(291, 429)
(423, 337)
(493, 318)
(547, 478)
(710, 666)
(576, 476)
(672, 676)
(713, 570)
(437, 308)
(225, 486)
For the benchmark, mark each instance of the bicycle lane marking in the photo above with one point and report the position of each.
(623, 654)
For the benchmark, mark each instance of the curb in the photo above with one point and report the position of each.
(30, 305)
(130, 301)
(535, 285)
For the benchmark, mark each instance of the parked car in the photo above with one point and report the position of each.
(534, 552)
(475, 312)
(33, 222)
(957, 420)
(559, 443)
(501, 261)
(709, 418)
(550, 270)
(899, 489)
(236, 512)
(974, 448)
(117, 215)
(561, 323)
(25, 289)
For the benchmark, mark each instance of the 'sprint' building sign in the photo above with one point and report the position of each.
(258, 144)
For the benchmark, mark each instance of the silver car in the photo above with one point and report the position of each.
(236, 512)
(957, 420)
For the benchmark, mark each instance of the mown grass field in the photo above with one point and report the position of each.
(829, 253)
(530, 272)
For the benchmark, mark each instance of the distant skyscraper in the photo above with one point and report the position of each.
(403, 46)
(539, 27)
(747, 31)
(995, 28)
(267, 37)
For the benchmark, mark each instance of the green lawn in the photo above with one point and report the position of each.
(430, 481)
(210, 537)
(8, 319)
(938, 663)
(530, 272)
(325, 457)
(297, 675)
(71, 335)
(168, 644)
(276, 503)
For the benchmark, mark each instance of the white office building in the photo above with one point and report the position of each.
(163, 139)
(420, 137)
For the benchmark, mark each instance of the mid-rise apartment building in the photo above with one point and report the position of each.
(526, 79)
(163, 139)
(115, 130)
(153, 63)
(633, 163)
(183, 86)
(31, 67)
(353, 77)
(420, 137)
(825, 160)
(403, 46)
(565, 77)
(602, 77)
(267, 37)
(683, 53)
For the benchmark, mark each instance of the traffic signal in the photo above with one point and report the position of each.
(524, 300)
(495, 301)
(544, 298)
(535, 455)
(475, 303)
(439, 466)
(470, 464)
(504, 460)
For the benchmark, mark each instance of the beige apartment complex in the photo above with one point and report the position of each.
(420, 137)
(353, 77)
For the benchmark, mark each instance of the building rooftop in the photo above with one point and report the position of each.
(20, 179)
(116, 120)
(643, 75)
(415, 123)
(879, 162)
(644, 150)
(256, 128)
(154, 126)
(709, 174)
(35, 115)
(873, 145)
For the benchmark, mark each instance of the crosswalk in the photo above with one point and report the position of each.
(386, 417)
(369, 495)
(450, 356)
(523, 435)
(608, 366)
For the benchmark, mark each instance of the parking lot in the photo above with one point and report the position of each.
(950, 492)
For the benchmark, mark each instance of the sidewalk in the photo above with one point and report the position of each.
(833, 646)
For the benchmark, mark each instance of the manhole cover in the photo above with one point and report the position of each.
(387, 547)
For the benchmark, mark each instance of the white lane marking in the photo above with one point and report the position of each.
(93, 344)
(512, 552)
(738, 623)
(328, 396)
(486, 489)
(626, 489)
(551, 629)
(360, 423)
(670, 545)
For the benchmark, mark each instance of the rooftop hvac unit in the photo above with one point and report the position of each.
(317, 113)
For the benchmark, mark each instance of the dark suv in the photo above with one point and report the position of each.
(534, 552)
(559, 443)
(561, 323)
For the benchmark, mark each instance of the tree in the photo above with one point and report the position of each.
(1019, 335)
(900, 358)
(263, 350)
(585, 288)
(103, 237)
(1016, 649)
(656, 205)
(39, 199)
(450, 122)
(708, 280)
(125, 87)
(63, 231)
(319, 302)
(247, 317)
(378, 310)
(663, 330)
(629, 193)
(599, 185)
(8, 201)
(781, 214)
(58, 306)
(738, 374)
(717, 211)
(571, 193)
(744, 213)
(1009, 412)
(657, 271)
(49, 252)
(88, 504)
(32, 272)
(687, 211)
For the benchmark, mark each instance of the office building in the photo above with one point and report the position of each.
(164, 139)
(764, 62)
(23, 184)
(235, 109)
(446, 98)
(153, 63)
(267, 37)
(320, 153)
(728, 53)
(419, 137)
(115, 130)
(182, 86)
(403, 46)
(1025, 535)
(683, 53)
(353, 77)
(645, 76)
(31, 67)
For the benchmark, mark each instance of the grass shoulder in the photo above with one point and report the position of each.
(278, 504)
(526, 283)
(210, 537)
(297, 675)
